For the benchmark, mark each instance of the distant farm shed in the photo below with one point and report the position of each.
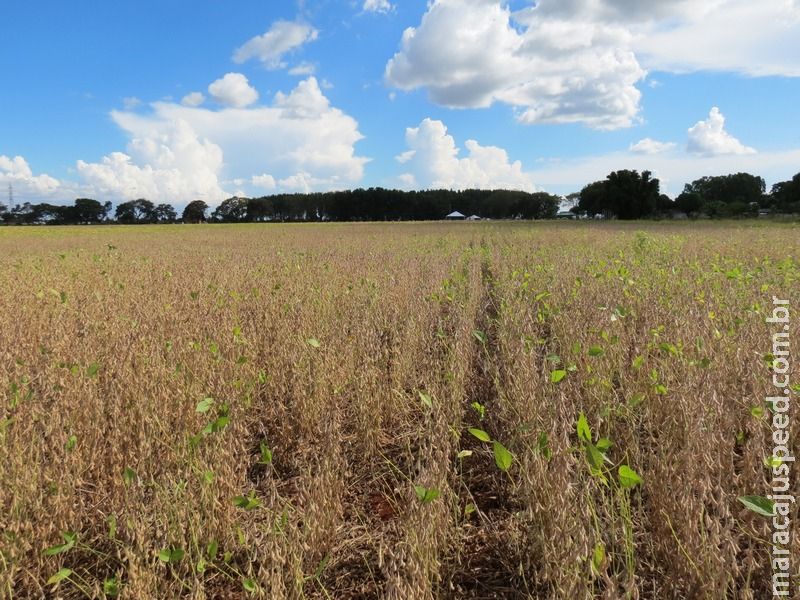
(455, 216)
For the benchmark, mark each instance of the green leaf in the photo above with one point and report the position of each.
(480, 336)
(313, 342)
(168, 555)
(60, 576)
(594, 456)
(542, 445)
(465, 453)
(584, 432)
(426, 495)
(628, 477)
(212, 548)
(204, 405)
(636, 400)
(320, 568)
(129, 476)
(502, 456)
(480, 434)
(668, 348)
(603, 444)
(112, 526)
(69, 542)
(759, 504)
(599, 555)
(426, 399)
(756, 411)
(111, 587)
(638, 362)
(557, 376)
(266, 455)
(249, 585)
(595, 351)
(92, 370)
(247, 502)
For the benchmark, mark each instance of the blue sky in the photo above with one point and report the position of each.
(176, 100)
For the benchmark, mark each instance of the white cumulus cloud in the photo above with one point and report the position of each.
(282, 37)
(168, 163)
(194, 99)
(709, 137)
(263, 181)
(553, 65)
(381, 6)
(561, 61)
(27, 187)
(651, 146)
(178, 152)
(432, 162)
(233, 90)
(739, 36)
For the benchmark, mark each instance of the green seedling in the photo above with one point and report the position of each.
(426, 495)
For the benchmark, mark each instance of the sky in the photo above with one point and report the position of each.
(178, 100)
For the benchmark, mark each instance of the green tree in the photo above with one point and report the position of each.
(623, 194)
(259, 209)
(785, 196)
(165, 213)
(136, 211)
(232, 210)
(739, 188)
(90, 211)
(689, 202)
(195, 212)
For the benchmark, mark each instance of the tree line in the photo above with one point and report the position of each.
(622, 194)
(632, 195)
(373, 204)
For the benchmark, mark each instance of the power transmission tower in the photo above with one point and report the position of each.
(10, 197)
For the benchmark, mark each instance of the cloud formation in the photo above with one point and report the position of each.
(739, 36)
(194, 99)
(709, 138)
(180, 152)
(166, 162)
(651, 146)
(280, 38)
(432, 162)
(381, 6)
(16, 172)
(563, 61)
(233, 90)
(549, 64)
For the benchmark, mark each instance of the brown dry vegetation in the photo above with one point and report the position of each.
(315, 341)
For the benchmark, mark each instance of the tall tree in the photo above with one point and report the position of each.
(90, 211)
(165, 213)
(623, 194)
(136, 211)
(232, 210)
(785, 195)
(195, 212)
(738, 187)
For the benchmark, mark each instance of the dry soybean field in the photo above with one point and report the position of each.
(405, 411)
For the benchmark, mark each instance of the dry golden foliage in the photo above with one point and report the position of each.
(283, 411)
